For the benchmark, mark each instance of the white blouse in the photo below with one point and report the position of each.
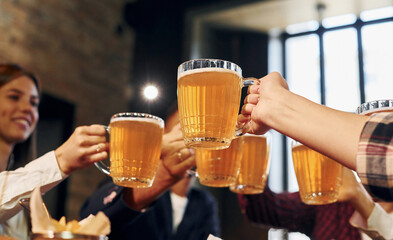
(20, 183)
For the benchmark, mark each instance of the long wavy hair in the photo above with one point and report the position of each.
(25, 151)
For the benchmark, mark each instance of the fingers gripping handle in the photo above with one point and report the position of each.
(246, 83)
(100, 165)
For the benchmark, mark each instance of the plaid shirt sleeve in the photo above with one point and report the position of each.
(282, 210)
(374, 160)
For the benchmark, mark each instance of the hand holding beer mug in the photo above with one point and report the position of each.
(209, 92)
(219, 168)
(135, 147)
(318, 176)
(255, 164)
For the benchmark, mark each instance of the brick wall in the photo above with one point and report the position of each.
(77, 51)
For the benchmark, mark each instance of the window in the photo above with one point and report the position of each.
(341, 69)
(377, 42)
(342, 63)
(303, 74)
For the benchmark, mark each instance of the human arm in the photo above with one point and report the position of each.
(362, 143)
(369, 216)
(283, 210)
(331, 132)
(21, 182)
(122, 204)
(108, 199)
(85, 146)
(377, 226)
(79, 151)
(374, 162)
(353, 192)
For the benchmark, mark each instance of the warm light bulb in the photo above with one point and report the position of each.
(150, 92)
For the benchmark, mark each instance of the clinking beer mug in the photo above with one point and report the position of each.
(219, 168)
(255, 164)
(135, 147)
(319, 177)
(209, 92)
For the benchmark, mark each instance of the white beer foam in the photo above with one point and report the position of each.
(208, 69)
(383, 109)
(296, 143)
(139, 119)
(253, 135)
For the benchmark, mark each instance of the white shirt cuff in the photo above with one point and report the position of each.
(378, 225)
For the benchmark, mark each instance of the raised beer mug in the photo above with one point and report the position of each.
(209, 93)
(319, 177)
(219, 168)
(135, 147)
(255, 164)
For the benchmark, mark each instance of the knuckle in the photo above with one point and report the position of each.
(78, 130)
(80, 141)
(83, 152)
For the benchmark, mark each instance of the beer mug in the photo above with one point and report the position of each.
(135, 147)
(368, 108)
(209, 92)
(319, 177)
(255, 164)
(219, 168)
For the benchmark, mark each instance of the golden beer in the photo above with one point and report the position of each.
(209, 101)
(219, 168)
(255, 165)
(135, 148)
(318, 176)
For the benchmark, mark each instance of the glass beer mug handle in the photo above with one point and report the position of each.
(191, 173)
(246, 83)
(250, 81)
(100, 165)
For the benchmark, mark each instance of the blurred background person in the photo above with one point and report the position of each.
(19, 100)
(171, 209)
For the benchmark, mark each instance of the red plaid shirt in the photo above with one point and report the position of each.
(374, 161)
(286, 210)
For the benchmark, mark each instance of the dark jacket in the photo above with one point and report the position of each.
(155, 223)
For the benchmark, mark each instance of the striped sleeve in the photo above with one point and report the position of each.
(374, 160)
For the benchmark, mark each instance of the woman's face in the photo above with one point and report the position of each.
(18, 110)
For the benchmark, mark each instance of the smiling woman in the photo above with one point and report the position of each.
(20, 97)
(18, 89)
